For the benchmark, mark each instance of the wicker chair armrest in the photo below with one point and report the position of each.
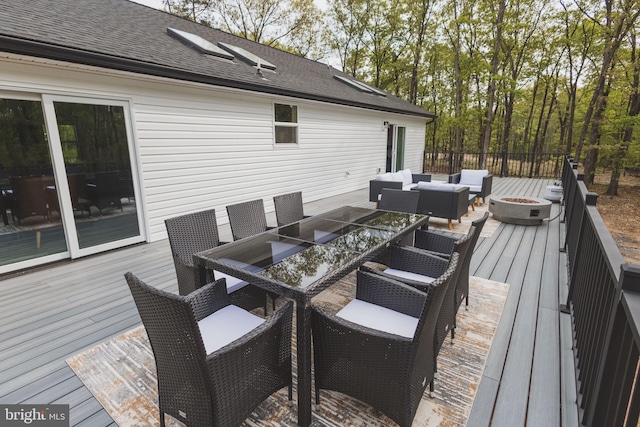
(435, 242)
(375, 188)
(208, 299)
(421, 286)
(389, 293)
(487, 183)
(417, 177)
(454, 178)
(417, 261)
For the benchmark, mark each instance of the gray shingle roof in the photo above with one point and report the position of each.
(122, 35)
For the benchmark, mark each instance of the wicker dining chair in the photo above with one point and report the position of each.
(399, 200)
(288, 208)
(378, 348)
(196, 232)
(443, 245)
(419, 269)
(247, 219)
(215, 362)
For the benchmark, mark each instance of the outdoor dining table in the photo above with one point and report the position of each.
(302, 259)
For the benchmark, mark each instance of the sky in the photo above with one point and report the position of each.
(157, 4)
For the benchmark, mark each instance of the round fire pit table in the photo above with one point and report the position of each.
(520, 210)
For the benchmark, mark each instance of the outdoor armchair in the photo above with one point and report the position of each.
(288, 208)
(215, 361)
(479, 182)
(378, 348)
(197, 232)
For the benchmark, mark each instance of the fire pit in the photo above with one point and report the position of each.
(520, 210)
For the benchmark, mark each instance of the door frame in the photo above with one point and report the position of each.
(392, 138)
(59, 170)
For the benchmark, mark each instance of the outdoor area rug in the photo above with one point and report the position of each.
(121, 375)
(487, 231)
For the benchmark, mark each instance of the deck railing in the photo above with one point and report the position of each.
(604, 302)
(499, 163)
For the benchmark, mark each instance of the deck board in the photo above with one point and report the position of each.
(56, 311)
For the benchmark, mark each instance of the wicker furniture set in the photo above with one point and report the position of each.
(300, 260)
(449, 200)
(381, 348)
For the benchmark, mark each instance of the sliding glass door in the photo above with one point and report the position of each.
(29, 205)
(97, 165)
(67, 179)
(396, 136)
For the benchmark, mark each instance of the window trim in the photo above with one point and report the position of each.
(295, 125)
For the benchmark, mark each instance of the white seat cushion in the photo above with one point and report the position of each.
(233, 283)
(472, 176)
(410, 276)
(409, 186)
(379, 318)
(424, 185)
(225, 326)
(475, 188)
(407, 177)
(386, 177)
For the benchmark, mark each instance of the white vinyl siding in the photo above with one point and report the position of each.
(199, 147)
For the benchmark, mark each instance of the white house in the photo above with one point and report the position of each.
(115, 116)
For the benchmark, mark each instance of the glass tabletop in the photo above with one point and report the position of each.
(306, 267)
(299, 254)
(259, 251)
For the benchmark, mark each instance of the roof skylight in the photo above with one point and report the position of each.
(199, 43)
(254, 60)
(360, 86)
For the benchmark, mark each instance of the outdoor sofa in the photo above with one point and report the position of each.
(401, 180)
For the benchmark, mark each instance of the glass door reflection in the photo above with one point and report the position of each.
(95, 149)
(29, 206)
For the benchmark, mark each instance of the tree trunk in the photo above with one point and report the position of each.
(486, 139)
(537, 142)
(634, 110)
(458, 82)
(417, 53)
(552, 103)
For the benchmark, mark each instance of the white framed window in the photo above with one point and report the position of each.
(285, 123)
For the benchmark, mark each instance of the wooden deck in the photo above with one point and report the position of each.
(53, 312)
